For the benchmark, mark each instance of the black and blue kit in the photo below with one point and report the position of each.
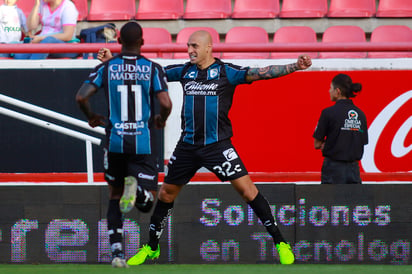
(206, 128)
(130, 83)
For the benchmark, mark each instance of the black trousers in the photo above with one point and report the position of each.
(338, 172)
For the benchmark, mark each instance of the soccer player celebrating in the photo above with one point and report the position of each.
(130, 82)
(208, 87)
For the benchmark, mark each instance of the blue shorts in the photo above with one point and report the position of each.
(117, 166)
(220, 158)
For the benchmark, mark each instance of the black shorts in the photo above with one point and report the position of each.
(337, 172)
(117, 166)
(220, 158)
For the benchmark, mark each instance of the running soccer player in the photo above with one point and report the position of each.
(130, 82)
(208, 86)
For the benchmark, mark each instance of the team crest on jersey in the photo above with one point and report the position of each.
(230, 154)
(213, 73)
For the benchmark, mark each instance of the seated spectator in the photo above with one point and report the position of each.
(58, 19)
(12, 24)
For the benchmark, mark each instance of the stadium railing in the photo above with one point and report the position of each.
(50, 126)
(219, 47)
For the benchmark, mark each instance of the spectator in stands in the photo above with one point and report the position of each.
(129, 158)
(58, 19)
(12, 24)
(341, 134)
(209, 85)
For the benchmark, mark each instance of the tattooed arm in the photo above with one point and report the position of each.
(275, 71)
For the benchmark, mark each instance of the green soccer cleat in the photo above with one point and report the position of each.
(129, 194)
(285, 253)
(144, 252)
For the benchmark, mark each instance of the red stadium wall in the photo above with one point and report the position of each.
(274, 120)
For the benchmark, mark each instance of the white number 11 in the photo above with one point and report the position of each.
(137, 90)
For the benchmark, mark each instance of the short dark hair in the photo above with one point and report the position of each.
(344, 83)
(131, 33)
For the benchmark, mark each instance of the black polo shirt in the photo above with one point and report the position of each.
(343, 127)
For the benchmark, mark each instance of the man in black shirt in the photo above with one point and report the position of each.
(341, 134)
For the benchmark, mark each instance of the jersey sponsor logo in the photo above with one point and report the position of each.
(129, 72)
(389, 137)
(230, 154)
(352, 123)
(131, 128)
(129, 68)
(191, 75)
(145, 176)
(195, 88)
(130, 76)
(129, 125)
(128, 133)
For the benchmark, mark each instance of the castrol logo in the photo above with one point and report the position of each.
(390, 138)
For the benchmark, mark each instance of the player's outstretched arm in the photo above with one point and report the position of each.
(269, 72)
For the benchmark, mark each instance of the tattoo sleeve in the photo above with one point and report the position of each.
(270, 72)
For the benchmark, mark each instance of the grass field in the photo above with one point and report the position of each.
(209, 269)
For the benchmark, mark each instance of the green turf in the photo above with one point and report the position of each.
(209, 269)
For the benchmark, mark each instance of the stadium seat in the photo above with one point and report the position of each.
(391, 33)
(82, 8)
(303, 8)
(343, 34)
(159, 9)
(106, 10)
(294, 34)
(256, 9)
(352, 8)
(157, 36)
(394, 8)
(208, 9)
(184, 34)
(243, 34)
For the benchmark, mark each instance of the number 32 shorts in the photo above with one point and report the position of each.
(221, 158)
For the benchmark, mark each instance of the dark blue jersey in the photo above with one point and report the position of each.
(208, 96)
(130, 83)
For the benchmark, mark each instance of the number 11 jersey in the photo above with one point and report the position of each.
(130, 83)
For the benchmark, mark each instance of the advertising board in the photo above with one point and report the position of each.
(363, 224)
